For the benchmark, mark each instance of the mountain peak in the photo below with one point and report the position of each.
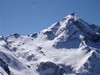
(70, 18)
(73, 13)
(67, 32)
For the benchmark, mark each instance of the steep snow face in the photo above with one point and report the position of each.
(70, 46)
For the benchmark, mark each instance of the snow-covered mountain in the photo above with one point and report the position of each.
(68, 47)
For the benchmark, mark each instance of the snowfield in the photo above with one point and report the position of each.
(68, 47)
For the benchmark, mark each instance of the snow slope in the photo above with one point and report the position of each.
(68, 47)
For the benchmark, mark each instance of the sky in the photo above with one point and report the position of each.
(29, 16)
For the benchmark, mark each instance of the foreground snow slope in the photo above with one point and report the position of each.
(68, 47)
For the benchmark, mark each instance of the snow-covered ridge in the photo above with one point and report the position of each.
(68, 47)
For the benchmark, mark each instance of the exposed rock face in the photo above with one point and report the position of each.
(96, 28)
(88, 31)
(1, 38)
(4, 66)
(34, 35)
(50, 68)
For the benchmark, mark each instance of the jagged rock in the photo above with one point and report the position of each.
(50, 35)
(16, 35)
(1, 38)
(96, 38)
(50, 68)
(34, 35)
(96, 28)
(46, 65)
(5, 66)
(73, 13)
(92, 65)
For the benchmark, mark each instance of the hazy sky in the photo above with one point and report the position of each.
(29, 16)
